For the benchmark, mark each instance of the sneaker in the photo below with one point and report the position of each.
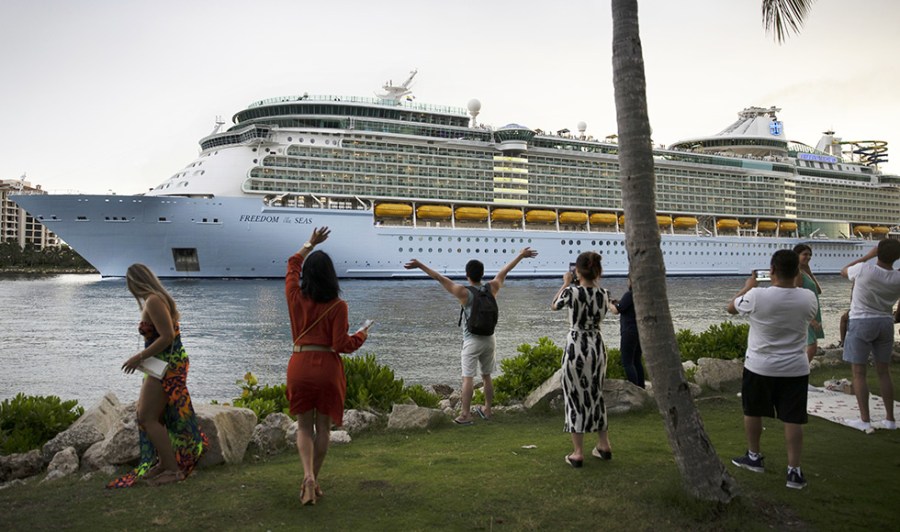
(888, 424)
(858, 424)
(748, 463)
(795, 479)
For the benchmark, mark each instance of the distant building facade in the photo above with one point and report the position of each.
(17, 225)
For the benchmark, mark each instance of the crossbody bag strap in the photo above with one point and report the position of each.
(322, 315)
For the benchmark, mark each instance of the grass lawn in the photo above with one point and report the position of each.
(481, 478)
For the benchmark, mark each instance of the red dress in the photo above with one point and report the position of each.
(315, 379)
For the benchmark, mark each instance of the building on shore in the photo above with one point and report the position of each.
(16, 225)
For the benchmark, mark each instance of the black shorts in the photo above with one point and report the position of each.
(781, 397)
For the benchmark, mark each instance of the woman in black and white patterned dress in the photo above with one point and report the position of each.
(584, 361)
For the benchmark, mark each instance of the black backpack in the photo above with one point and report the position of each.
(483, 316)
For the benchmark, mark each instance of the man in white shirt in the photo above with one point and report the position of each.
(871, 328)
(776, 370)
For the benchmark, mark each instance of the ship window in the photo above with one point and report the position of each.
(163, 219)
(186, 259)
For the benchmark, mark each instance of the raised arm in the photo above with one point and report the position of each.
(749, 285)
(868, 256)
(497, 282)
(457, 290)
(295, 262)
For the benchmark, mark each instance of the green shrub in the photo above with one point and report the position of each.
(524, 372)
(421, 396)
(726, 341)
(263, 400)
(371, 385)
(29, 421)
(614, 367)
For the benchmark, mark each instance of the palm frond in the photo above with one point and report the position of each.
(784, 16)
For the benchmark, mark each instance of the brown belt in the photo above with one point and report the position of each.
(310, 347)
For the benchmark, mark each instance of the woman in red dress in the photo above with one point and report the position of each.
(316, 385)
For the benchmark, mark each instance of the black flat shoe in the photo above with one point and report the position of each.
(603, 455)
(573, 462)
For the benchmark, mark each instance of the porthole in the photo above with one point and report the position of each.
(290, 139)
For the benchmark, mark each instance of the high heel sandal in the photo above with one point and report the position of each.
(308, 493)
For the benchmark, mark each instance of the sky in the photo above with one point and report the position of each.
(105, 95)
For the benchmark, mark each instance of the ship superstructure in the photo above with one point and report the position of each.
(398, 179)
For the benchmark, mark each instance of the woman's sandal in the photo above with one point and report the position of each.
(308, 493)
(153, 472)
(596, 452)
(319, 492)
(168, 476)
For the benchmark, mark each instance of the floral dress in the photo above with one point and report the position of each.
(584, 360)
(178, 416)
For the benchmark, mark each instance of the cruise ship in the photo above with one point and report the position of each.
(396, 179)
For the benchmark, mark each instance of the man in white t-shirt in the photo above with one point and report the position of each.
(776, 370)
(876, 287)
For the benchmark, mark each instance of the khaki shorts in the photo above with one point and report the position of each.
(478, 351)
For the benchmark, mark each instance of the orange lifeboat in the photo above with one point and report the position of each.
(766, 226)
(880, 230)
(393, 210)
(685, 222)
(727, 223)
(787, 227)
(540, 216)
(472, 213)
(603, 218)
(863, 230)
(506, 215)
(663, 220)
(570, 217)
(434, 212)
(622, 219)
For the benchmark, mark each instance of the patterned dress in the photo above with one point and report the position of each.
(584, 361)
(178, 416)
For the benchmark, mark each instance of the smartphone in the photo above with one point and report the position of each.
(572, 268)
(366, 324)
(762, 276)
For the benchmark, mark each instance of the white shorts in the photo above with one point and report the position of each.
(478, 351)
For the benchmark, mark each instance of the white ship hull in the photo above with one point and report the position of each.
(243, 238)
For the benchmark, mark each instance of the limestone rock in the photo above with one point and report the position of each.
(454, 398)
(268, 437)
(404, 417)
(122, 444)
(713, 372)
(339, 437)
(290, 436)
(442, 390)
(229, 430)
(63, 463)
(77, 436)
(93, 459)
(517, 408)
(541, 397)
(695, 389)
(356, 421)
(622, 396)
(104, 414)
(21, 465)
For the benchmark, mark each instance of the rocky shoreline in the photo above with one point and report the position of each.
(104, 440)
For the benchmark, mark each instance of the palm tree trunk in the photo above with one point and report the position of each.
(702, 472)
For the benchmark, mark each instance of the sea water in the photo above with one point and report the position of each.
(68, 335)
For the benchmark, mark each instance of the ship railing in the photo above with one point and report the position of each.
(444, 109)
